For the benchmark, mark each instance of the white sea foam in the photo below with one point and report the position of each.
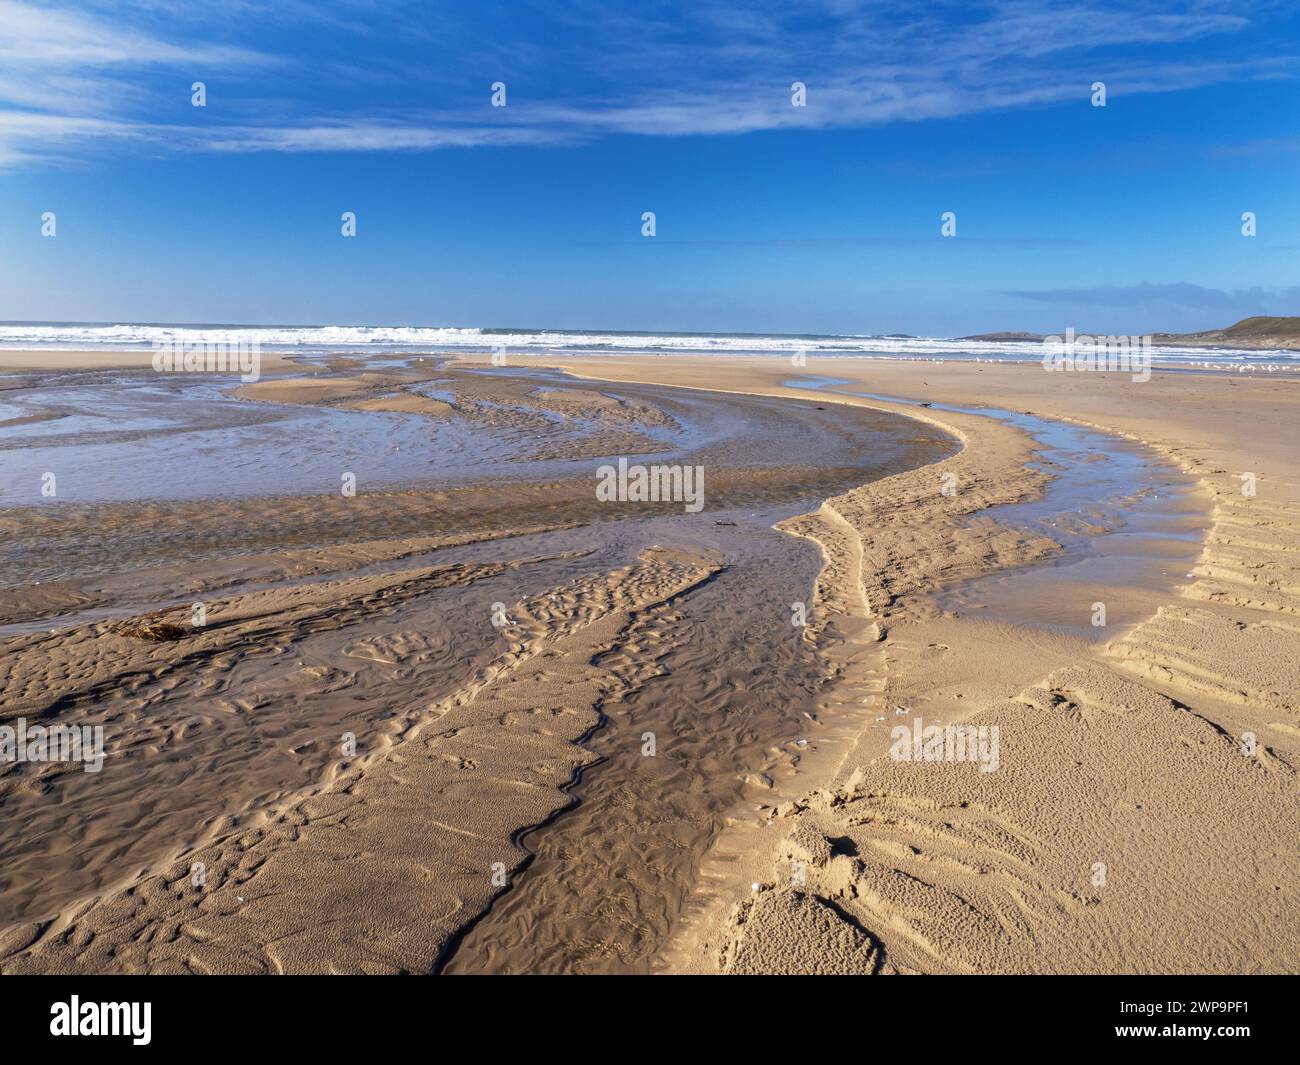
(399, 338)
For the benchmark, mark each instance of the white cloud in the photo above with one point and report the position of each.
(362, 137)
(1152, 296)
(79, 76)
(36, 37)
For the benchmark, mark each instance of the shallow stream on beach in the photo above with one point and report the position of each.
(1123, 517)
(735, 690)
(611, 873)
(202, 738)
(130, 436)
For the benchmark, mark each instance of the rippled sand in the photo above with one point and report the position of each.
(471, 720)
(388, 689)
(1143, 814)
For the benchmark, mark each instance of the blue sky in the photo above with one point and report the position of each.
(824, 218)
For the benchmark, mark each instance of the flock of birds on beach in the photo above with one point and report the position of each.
(1199, 364)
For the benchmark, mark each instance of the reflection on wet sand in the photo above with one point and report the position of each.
(372, 616)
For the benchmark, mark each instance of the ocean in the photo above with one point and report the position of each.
(300, 338)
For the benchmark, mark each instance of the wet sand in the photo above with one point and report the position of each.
(373, 617)
(1143, 815)
(501, 811)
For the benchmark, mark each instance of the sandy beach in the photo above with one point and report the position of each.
(472, 718)
(1153, 774)
(691, 490)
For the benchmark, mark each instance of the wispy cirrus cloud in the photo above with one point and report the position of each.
(1180, 295)
(361, 137)
(69, 78)
(339, 77)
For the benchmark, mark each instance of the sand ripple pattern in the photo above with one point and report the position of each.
(280, 895)
(1125, 793)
